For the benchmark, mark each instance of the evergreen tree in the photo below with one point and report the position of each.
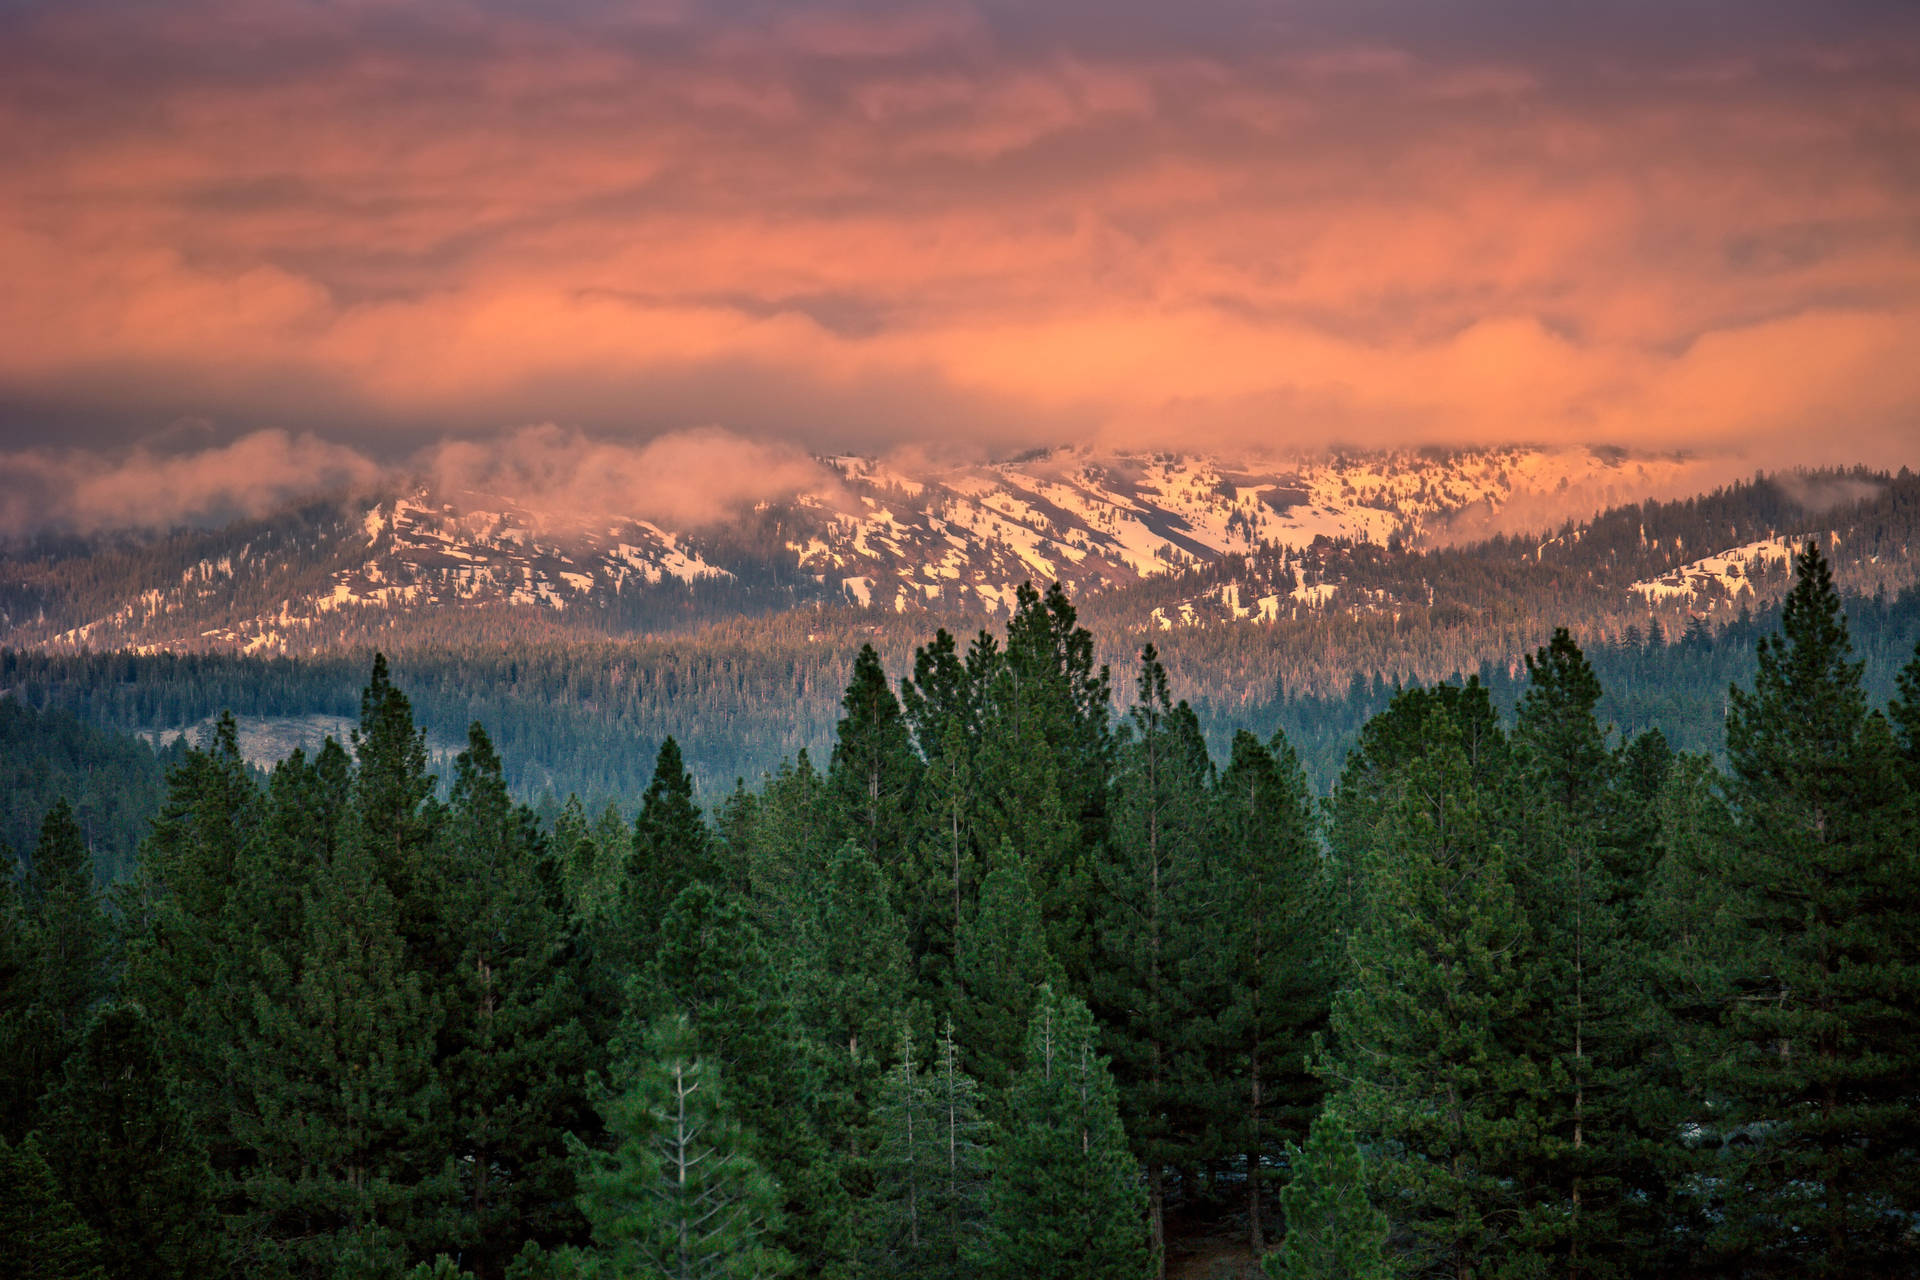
(1593, 1023)
(60, 944)
(1429, 1055)
(852, 994)
(512, 1048)
(1690, 916)
(1149, 908)
(679, 1196)
(1045, 738)
(332, 1088)
(393, 792)
(1333, 1232)
(670, 840)
(712, 967)
(874, 772)
(1823, 1043)
(128, 1158)
(42, 1237)
(1004, 961)
(941, 879)
(1390, 743)
(1904, 712)
(930, 1171)
(193, 960)
(1264, 965)
(786, 855)
(1066, 1200)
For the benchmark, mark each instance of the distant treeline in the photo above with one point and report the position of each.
(584, 718)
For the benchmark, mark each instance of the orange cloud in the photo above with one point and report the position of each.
(866, 225)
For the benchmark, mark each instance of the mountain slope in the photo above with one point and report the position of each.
(947, 539)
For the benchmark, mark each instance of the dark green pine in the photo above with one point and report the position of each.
(1333, 1230)
(928, 1202)
(59, 938)
(712, 967)
(1264, 965)
(128, 1155)
(1429, 1062)
(1822, 1044)
(1066, 1201)
(332, 1088)
(853, 995)
(874, 772)
(1150, 907)
(1592, 1167)
(42, 1237)
(393, 792)
(940, 881)
(678, 1193)
(1004, 961)
(513, 1051)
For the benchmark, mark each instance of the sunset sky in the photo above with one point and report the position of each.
(336, 234)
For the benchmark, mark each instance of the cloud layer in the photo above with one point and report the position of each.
(865, 225)
(563, 479)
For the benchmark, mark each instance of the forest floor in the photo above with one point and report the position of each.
(1213, 1248)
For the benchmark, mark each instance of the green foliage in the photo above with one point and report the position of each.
(1004, 961)
(874, 771)
(1430, 1058)
(41, 1236)
(128, 1157)
(1333, 1231)
(928, 1204)
(1066, 1202)
(1822, 1040)
(678, 1195)
(1263, 965)
(1150, 907)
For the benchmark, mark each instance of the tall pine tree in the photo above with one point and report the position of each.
(1066, 1202)
(1823, 1040)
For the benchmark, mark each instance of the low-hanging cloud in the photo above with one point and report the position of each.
(563, 479)
(569, 481)
(85, 491)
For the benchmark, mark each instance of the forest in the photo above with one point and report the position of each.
(1015, 981)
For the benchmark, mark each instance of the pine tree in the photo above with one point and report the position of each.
(1593, 1022)
(1149, 908)
(1690, 915)
(190, 920)
(874, 773)
(941, 880)
(1004, 962)
(42, 1237)
(679, 1196)
(1333, 1232)
(930, 1171)
(1264, 963)
(393, 792)
(712, 967)
(512, 1048)
(127, 1155)
(60, 945)
(1066, 1201)
(853, 995)
(332, 1087)
(1904, 712)
(1045, 747)
(1821, 1045)
(1429, 1058)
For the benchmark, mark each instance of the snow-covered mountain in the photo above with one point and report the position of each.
(871, 534)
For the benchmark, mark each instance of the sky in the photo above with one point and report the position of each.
(255, 246)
